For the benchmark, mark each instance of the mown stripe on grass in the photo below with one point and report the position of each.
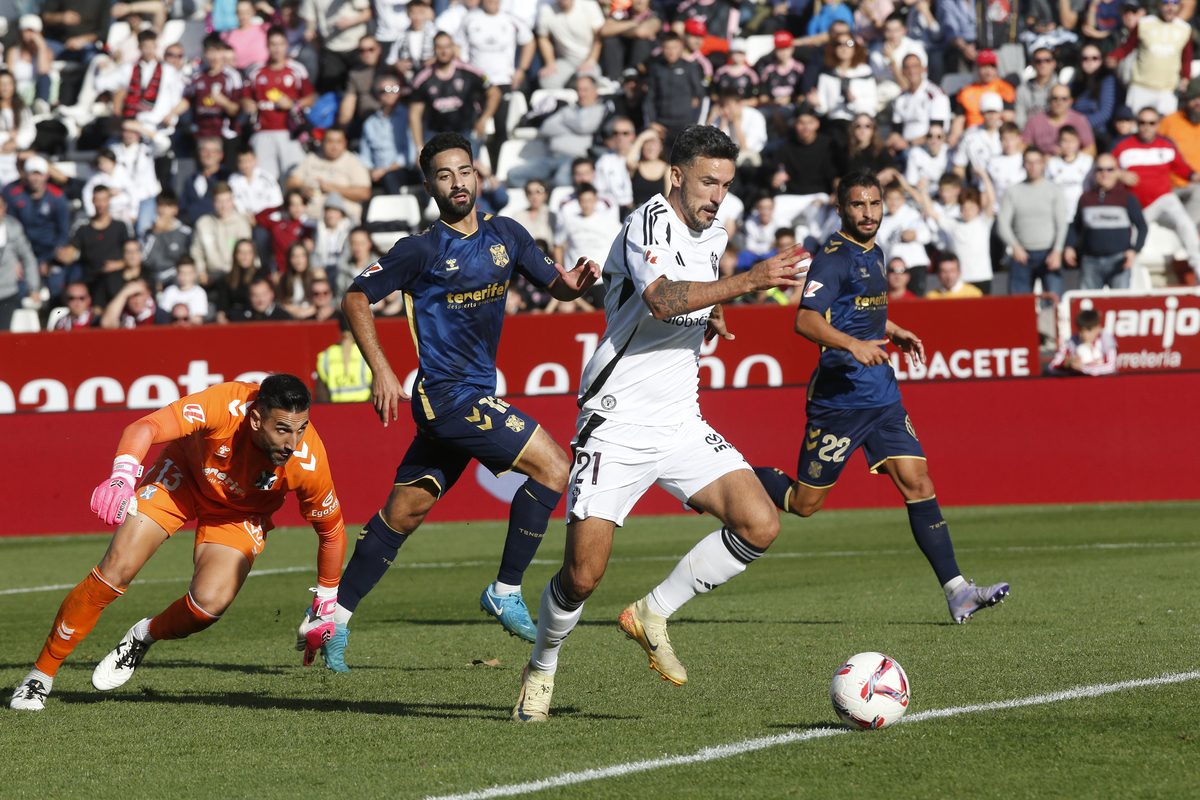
(548, 562)
(750, 745)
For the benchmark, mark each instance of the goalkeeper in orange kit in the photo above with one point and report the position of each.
(233, 453)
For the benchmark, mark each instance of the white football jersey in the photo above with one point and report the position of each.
(645, 371)
(1071, 178)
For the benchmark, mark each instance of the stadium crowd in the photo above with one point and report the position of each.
(189, 163)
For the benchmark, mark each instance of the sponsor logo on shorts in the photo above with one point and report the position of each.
(256, 533)
(814, 469)
(515, 423)
(193, 412)
(717, 442)
(148, 492)
(608, 402)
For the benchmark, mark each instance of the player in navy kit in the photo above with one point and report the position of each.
(454, 276)
(853, 399)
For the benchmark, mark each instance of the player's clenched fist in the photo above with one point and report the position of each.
(781, 269)
(112, 500)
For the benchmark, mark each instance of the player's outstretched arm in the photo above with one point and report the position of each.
(386, 389)
(666, 298)
(572, 283)
(907, 342)
(812, 325)
(113, 499)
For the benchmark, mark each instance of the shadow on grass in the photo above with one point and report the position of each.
(607, 623)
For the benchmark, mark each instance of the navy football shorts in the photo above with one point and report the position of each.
(832, 435)
(487, 429)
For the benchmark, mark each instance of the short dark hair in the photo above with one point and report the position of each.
(287, 198)
(950, 179)
(591, 162)
(441, 143)
(285, 392)
(185, 259)
(670, 36)
(1088, 318)
(586, 187)
(785, 232)
(1070, 130)
(221, 187)
(166, 198)
(440, 34)
(213, 40)
(148, 35)
(696, 141)
(336, 129)
(276, 30)
(863, 178)
(948, 255)
(245, 149)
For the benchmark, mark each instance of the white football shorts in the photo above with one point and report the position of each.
(616, 463)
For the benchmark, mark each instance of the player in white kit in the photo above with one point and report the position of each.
(640, 423)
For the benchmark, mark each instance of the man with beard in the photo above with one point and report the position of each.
(454, 276)
(639, 421)
(233, 452)
(853, 400)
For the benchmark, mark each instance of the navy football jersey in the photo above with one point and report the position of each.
(454, 287)
(848, 284)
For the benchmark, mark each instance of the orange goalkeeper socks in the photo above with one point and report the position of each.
(76, 617)
(181, 619)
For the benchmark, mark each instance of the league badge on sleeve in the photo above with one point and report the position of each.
(371, 270)
(812, 288)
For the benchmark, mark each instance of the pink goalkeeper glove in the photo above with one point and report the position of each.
(317, 627)
(113, 499)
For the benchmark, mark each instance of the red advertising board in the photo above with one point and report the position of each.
(1155, 330)
(539, 354)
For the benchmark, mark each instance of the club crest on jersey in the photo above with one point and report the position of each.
(814, 470)
(193, 412)
(148, 492)
(515, 423)
(371, 270)
(266, 481)
(812, 288)
(499, 255)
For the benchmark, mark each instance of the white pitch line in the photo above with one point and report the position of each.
(750, 745)
(640, 559)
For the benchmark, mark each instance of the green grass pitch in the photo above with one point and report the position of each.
(1100, 594)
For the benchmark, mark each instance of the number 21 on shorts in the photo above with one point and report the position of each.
(584, 460)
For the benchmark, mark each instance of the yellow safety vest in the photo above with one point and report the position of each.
(350, 384)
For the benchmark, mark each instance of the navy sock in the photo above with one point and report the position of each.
(527, 521)
(777, 484)
(933, 537)
(373, 553)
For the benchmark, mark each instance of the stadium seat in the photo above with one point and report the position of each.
(1010, 59)
(519, 107)
(25, 320)
(386, 240)
(558, 195)
(517, 201)
(954, 82)
(758, 47)
(525, 134)
(117, 33)
(1153, 266)
(569, 95)
(55, 315)
(402, 208)
(1066, 75)
(192, 38)
(172, 32)
(515, 151)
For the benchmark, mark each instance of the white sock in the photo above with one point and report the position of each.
(555, 621)
(141, 632)
(710, 563)
(341, 615)
(505, 588)
(953, 585)
(47, 681)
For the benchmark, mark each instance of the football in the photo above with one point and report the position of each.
(869, 691)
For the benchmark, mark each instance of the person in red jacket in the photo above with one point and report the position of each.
(1147, 161)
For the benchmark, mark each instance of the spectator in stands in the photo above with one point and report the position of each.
(196, 199)
(335, 28)
(649, 173)
(968, 103)
(846, 86)
(335, 170)
(286, 226)
(1091, 351)
(1164, 59)
(136, 160)
(359, 98)
(968, 232)
(262, 304)
(780, 82)
(187, 291)
(45, 216)
(1008, 168)
(631, 100)
(695, 34)
(132, 307)
(254, 191)
(569, 133)
(804, 168)
(1094, 90)
(537, 218)
(231, 294)
(627, 37)
(342, 373)
(165, 243)
(216, 235)
(147, 94)
(981, 142)
(1153, 158)
(674, 89)
(719, 17)
(820, 27)
(1043, 127)
(887, 58)
(612, 166)
(1103, 20)
(1071, 169)
(80, 315)
(1099, 241)
(383, 149)
(919, 106)
(492, 196)
(586, 233)
(296, 283)
(18, 267)
(568, 37)
(897, 280)
(1033, 224)
(494, 41)
(17, 132)
(30, 60)
(1183, 128)
(98, 245)
(903, 232)
(248, 39)
(214, 95)
(583, 172)
(323, 307)
(331, 243)
(1124, 122)
(743, 123)
(362, 254)
(959, 31)
(413, 51)
(952, 286)
(273, 91)
(867, 151)
(451, 96)
(929, 162)
(736, 75)
(73, 30)
(1033, 95)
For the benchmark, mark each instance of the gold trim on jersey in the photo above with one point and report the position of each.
(441, 491)
(412, 327)
(523, 449)
(864, 248)
(465, 235)
(875, 466)
(809, 485)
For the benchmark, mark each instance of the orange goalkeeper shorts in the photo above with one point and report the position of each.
(168, 496)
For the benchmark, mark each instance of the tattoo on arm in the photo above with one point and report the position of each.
(670, 297)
